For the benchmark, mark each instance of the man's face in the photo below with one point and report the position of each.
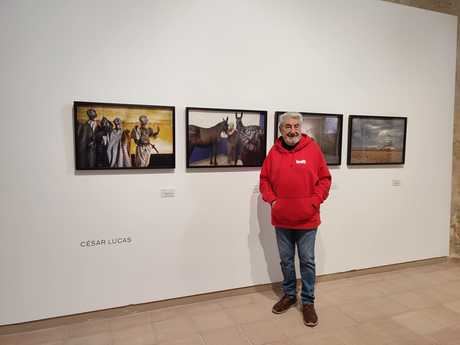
(91, 114)
(143, 120)
(117, 123)
(291, 131)
(105, 123)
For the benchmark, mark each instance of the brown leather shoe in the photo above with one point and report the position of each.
(284, 304)
(310, 318)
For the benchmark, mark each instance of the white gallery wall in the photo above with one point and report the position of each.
(352, 57)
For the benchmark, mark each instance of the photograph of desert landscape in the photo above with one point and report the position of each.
(376, 140)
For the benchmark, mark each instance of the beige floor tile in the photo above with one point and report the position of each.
(62, 342)
(334, 285)
(15, 340)
(389, 330)
(454, 272)
(425, 268)
(397, 285)
(438, 294)
(90, 327)
(365, 279)
(371, 309)
(339, 296)
(44, 336)
(134, 335)
(361, 311)
(224, 336)
(361, 335)
(440, 277)
(94, 339)
(430, 278)
(387, 307)
(417, 340)
(452, 289)
(322, 296)
(415, 299)
(316, 339)
(325, 301)
(212, 320)
(333, 317)
(454, 306)
(356, 293)
(9, 339)
(191, 339)
(420, 322)
(174, 329)
(444, 316)
(129, 321)
(447, 336)
(235, 301)
(266, 299)
(166, 313)
(250, 313)
(262, 332)
(200, 308)
(392, 274)
(283, 342)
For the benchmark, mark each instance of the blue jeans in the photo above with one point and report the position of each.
(305, 241)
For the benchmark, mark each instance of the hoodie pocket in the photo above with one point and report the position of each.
(293, 211)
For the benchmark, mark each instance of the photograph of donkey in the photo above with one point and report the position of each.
(251, 142)
(233, 141)
(207, 138)
(218, 137)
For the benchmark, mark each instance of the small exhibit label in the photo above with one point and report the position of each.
(396, 183)
(168, 193)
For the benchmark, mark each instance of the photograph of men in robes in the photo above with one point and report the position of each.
(86, 141)
(141, 136)
(123, 136)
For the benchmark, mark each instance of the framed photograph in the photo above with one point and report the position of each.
(123, 136)
(376, 140)
(325, 129)
(225, 137)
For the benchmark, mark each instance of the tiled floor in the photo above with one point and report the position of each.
(412, 306)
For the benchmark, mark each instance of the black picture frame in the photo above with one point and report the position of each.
(108, 144)
(231, 148)
(330, 143)
(376, 140)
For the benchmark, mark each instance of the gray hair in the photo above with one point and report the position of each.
(289, 115)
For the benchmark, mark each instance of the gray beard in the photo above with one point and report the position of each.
(292, 141)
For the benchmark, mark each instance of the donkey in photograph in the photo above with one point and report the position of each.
(250, 142)
(232, 144)
(206, 137)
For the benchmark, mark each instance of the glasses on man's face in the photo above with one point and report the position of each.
(289, 127)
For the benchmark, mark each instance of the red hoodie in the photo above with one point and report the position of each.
(299, 181)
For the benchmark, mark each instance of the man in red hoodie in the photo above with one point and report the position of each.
(295, 180)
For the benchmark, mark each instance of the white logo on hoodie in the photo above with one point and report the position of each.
(303, 161)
